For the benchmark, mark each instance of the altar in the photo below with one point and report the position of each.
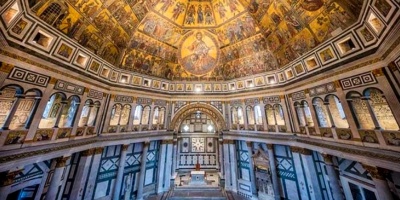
(197, 178)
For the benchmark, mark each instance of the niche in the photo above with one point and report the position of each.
(271, 80)
(81, 60)
(105, 72)
(299, 69)
(124, 78)
(10, 14)
(146, 82)
(42, 39)
(249, 83)
(232, 86)
(114, 76)
(311, 63)
(376, 24)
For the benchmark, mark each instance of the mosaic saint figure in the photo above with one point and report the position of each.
(199, 60)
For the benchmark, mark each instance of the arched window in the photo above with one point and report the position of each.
(360, 111)
(300, 114)
(250, 115)
(161, 116)
(279, 116)
(234, 113)
(126, 111)
(93, 114)
(21, 109)
(337, 112)
(240, 115)
(69, 112)
(146, 115)
(269, 113)
(138, 115)
(51, 13)
(381, 109)
(115, 114)
(257, 114)
(53, 108)
(156, 115)
(321, 112)
(83, 120)
(307, 113)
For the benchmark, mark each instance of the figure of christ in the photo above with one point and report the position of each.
(199, 61)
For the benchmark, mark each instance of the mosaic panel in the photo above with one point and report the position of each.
(69, 87)
(30, 77)
(15, 137)
(217, 105)
(368, 136)
(358, 81)
(160, 102)
(392, 137)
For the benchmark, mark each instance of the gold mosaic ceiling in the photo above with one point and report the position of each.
(203, 39)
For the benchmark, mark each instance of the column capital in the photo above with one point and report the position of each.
(376, 172)
(167, 142)
(61, 161)
(8, 178)
(125, 147)
(6, 68)
(146, 143)
(53, 80)
(328, 159)
(249, 143)
(301, 150)
(228, 141)
(378, 72)
(98, 150)
(270, 146)
(88, 152)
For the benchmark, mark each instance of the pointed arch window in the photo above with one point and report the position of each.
(51, 111)
(69, 112)
(381, 109)
(337, 112)
(138, 115)
(321, 112)
(115, 114)
(146, 115)
(359, 108)
(125, 113)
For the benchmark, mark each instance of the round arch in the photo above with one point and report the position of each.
(187, 110)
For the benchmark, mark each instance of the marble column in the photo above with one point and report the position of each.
(228, 178)
(264, 118)
(56, 179)
(233, 165)
(168, 166)
(311, 174)
(251, 169)
(274, 174)
(161, 167)
(221, 158)
(12, 112)
(371, 112)
(120, 173)
(81, 174)
(32, 113)
(6, 182)
(378, 176)
(91, 180)
(175, 157)
(142, 173)
(333, 178)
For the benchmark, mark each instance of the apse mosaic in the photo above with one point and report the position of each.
(201, 39)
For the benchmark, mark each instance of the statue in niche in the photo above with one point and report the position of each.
(263, 175)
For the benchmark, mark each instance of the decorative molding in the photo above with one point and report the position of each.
(69, 87)
(298, 95)
(142, 100)
(160, 102)
(271, 100)
(95, 94)
(358, 81)
(123, 99)
(252, 101)
(322, 89)
(26, 76)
